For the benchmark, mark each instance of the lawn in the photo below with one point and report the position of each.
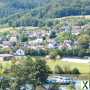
(8, 29)
(83, 68)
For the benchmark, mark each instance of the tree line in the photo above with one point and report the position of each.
(35, 13)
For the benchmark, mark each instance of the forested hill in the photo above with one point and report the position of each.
(36, 12)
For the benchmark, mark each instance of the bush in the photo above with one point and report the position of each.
(75, 51)
(88, 52)
(33, 52)
(54, 87)
(84, 41)
(61, 53)
(82, 53)
(55, 52)
(67, 69)
(75, 71)
(23, 38)
(68, 52)
(58, 70)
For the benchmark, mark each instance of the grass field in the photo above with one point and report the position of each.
(83, 68)
(8, 29)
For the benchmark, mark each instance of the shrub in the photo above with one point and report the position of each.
(67, 69)
(58, 70)
(54, 87)
(61, 53)
(82, 53)
(24, 38)
(75, 71)
(68, 52)
(33, 52)
(55, 52)
(75, 51)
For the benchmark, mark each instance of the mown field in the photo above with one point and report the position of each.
(84, 68)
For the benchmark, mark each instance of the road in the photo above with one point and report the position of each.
(76, 60)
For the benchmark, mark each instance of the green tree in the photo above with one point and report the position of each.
(84, 40)
(42, 71)
(53, 53)
(31, 72)
(82, 52)
(52, 34)
(23, 37)
(65, 36)
(23, 73)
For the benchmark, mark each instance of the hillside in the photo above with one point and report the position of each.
(37, 12)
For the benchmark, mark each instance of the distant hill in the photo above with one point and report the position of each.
(37, 12)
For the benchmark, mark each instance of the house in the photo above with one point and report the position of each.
(13, 39)
(50, 45)
(6, 43)
(37, 41)
(76, 30)
(20, 52)
(53, 45)
(6, 57)
(67, 45)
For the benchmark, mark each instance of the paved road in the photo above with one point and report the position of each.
(76, 60)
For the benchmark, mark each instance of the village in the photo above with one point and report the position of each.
(44, 44)
(58, 47)
(32, 41)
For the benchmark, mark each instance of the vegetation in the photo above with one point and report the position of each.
(27, 72)
(58, 70)
(83, 68)
(33, 52)
(54, 53)
(84, 40)
(54, 87)
(66, 70)
(75, 71)
(62, 37)
(23, 37)
(35, 72)
(65, 36)
(33, 12)
(80, 49)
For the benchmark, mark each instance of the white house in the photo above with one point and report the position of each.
(36, 42)
(50, 45)
(20, 52)
(13, 39)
